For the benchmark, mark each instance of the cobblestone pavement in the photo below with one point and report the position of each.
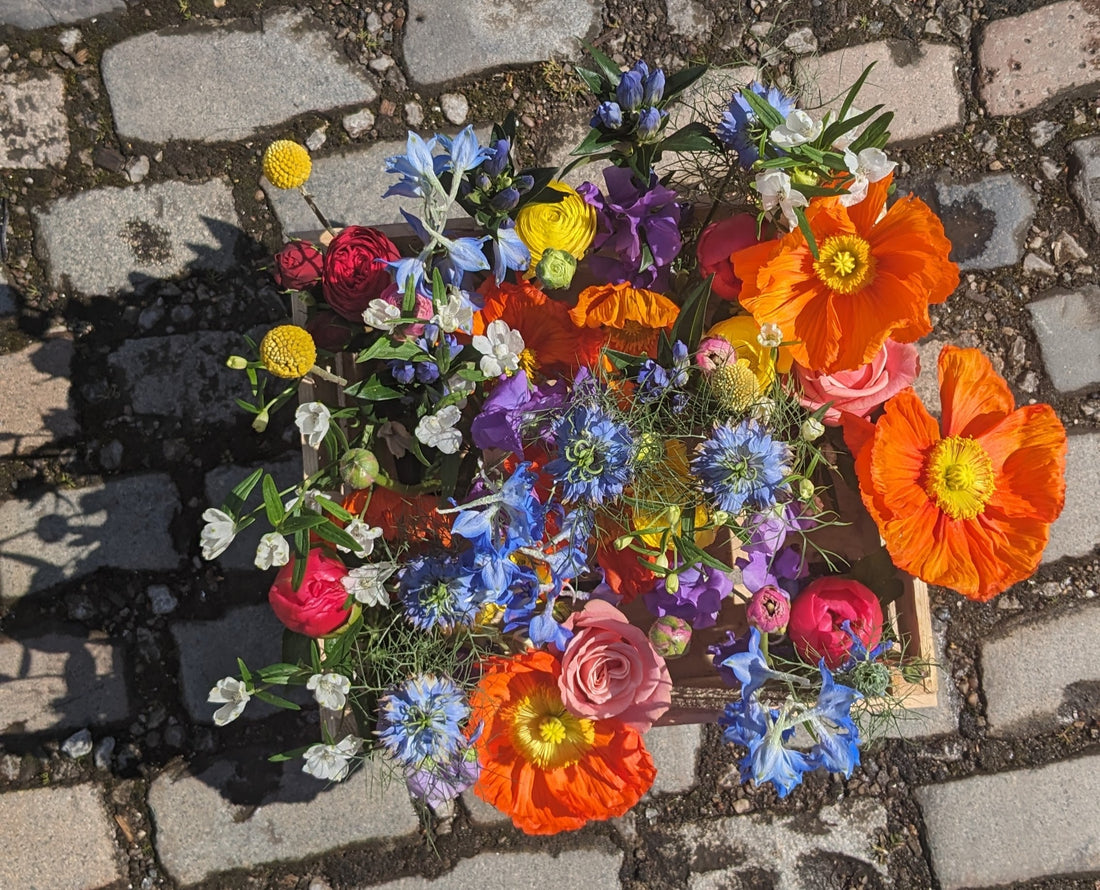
(130, 134)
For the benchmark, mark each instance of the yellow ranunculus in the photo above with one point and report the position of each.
(568, 225)
(741, 333)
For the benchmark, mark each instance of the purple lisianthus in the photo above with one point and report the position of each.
(631, 217)
(697, 598)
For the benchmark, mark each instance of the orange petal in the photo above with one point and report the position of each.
(1028, 449)
(864, 214)
(974, 398)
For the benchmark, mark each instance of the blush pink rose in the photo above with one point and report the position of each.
(610, 669)
(717, 243)
(317, 607)
(862, 389)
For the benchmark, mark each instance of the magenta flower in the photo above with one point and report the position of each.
(769, 610)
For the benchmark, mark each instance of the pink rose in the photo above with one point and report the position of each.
(610, 669)
(861, 390)
(317, 607)
(717, 243)
(356, 270)
(818, 614)
(298, 266)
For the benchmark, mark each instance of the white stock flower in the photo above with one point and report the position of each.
(272, 550)
(307, 499)
(797, 129)
(461, 386)
(870, 165)
(217, 534)
(234, 694)
(500, 347)
(381, 315)
(456, 313)
(367, 583)
(364, 534)
(775, 190)
(437, 430)
(329, 690)
(331, 762)
(770, 336)
(312, 420)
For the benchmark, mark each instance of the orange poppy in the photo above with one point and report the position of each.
(630, 317)
(968, 507)
(873, 278)
(550, 340)
(546, 768)
(412, 518)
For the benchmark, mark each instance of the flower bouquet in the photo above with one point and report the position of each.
(582, 453)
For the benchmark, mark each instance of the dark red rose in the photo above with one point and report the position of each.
(316, 608)
(298, 266)
(818, 613)
(355, 270)
(718, 241)
(329, 331)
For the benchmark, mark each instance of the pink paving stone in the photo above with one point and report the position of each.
(34, 397)
(919, 84)
(1043, 55)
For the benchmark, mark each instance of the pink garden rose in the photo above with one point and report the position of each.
(862, 389)
(610, 669)
(424, 308)
(316, 608)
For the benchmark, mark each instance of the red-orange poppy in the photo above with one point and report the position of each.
(546, 768)
(412, 518)
(873, 278)
(631, 318)
(968, 507)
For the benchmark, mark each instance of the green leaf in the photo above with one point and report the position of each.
(330, 506)
(606, 64)
(297, 649)
(336, 535)
(693, 554)
(236, 498)
(876, 134)
(272, 503)
(372, 390)
(595, 142)
(835, 130)
(763, 109)
(856, 87)
(246, 675)
(647, 258)
(696, 136)
(279, 674)
(807, 232)
(294, 524)
(288, 755)
(592, 80)
(692, 318)
(247, 406)
(384, 348)
(276, 700)
(408, 304)
(681, 80)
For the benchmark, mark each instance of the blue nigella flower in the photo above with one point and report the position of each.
(595, 455)
(739, 128)
(741, 465)
(437, 592)
(421, 720)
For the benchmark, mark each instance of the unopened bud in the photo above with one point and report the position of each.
(236, 362)
(806, 489)
(670, 636)
(260, 423)
(359, 468)
(556, 268)
(812, 429)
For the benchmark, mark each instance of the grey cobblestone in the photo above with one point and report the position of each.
(1077, 531)
(1067, 324)
(66, 534)
(58, 682)
(222, 83)
(986, 220)
(30, 14)
(35, 409)
(34, 128)
(56, 839)
(674, 749)
(986, 831)
(1085, 181)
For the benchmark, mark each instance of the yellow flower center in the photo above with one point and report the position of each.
(528, 362)
(735, 385)
(959, 477)
(288, 351)
(844, 263)
(287, 164)
(546, 734)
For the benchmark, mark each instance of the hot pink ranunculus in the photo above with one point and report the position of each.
(862, 389)
(610, 669)
(818, 614)
(717, 243)
(316, 608)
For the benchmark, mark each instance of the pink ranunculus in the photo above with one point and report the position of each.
(610, 669)
(316, 608)
(861, 390)
(356, 271)
(424, 308)
(717, 243)
(298, 265)
(818, 614)
(769, 610)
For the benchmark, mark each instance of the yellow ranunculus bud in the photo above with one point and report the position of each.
(568, 225)
(288, 351)
(287, 164)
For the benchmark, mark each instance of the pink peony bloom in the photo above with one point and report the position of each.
(610, 669)
(316, 608)
(861, 390)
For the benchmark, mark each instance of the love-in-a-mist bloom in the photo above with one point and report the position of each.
(421, 720)
(594, 455)
(740, 465)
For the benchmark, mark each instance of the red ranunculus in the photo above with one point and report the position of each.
(298, 266)
(329, 331)
(317, 606)
(717, 243)
(818, 612)
(355, 270)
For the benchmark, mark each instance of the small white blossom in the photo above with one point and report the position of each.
(312, 420)
(364, 534)
(762, 411)
(217, 534)
(775, 190)
(438, 430)
(456, 313)
(396, 436)
(770, 336)
(812, 429)
(500, 347)
(272, 550)
(462, 386)
(367, 583)
(870, 165)
(308, 501)
(381, 315)
(234, 694)
(797, 129)
(330, 690)
(331, 763)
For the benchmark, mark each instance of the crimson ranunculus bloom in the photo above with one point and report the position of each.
(718, 241)
(298, 266)
(818, 613)
(355, 270)
(316, 608)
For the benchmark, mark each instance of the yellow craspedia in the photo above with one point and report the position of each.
(287, 164)
(288, 351)
(568, 225)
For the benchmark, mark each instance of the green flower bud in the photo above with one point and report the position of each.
(236, 362)
(670, 636)
(359, 468)
(812, 428)
(556, 268)
(805, 489)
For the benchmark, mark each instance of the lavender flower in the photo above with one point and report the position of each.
(697, 599)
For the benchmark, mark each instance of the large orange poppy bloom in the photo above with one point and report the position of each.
(968, 507)
(545, 767)
(630, 317)
(873, 278)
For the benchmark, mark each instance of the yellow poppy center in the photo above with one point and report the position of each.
(528, 362)
(959, 477)
(844, 263)
(546, 734)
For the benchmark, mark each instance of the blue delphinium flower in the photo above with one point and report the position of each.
(513, 516)
(751, 666)
(509, 251)
(594, 455)
(464, 152)
(769, 760)
(437, 592)
(421, 720)
(741, 465)
(739, 128)
(416, 167)
(655, 381)
(830, 720)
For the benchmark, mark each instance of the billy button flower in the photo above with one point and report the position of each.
(288, 351)
(287, 164)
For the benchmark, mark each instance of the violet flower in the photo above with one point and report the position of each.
(511, 405)
(697, 599)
